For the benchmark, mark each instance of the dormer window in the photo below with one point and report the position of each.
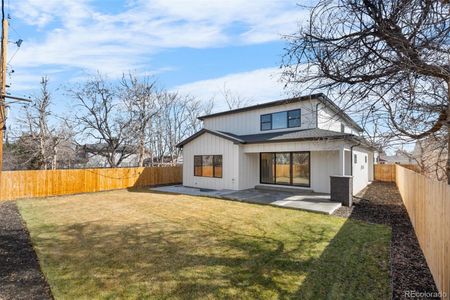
(281, 120)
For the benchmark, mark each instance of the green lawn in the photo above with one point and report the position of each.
(124, 244)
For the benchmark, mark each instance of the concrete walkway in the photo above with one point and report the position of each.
(303, 200)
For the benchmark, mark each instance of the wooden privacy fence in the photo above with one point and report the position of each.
(428, 204)
(42, 183)
(386, 172)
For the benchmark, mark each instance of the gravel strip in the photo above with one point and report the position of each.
(381, 203)
(20, 274)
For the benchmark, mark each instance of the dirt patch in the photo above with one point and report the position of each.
(381, 203)
(20, 274)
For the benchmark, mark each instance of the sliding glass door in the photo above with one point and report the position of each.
(285, 168)
(300, 169)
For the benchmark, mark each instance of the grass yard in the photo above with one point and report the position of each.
(136, 244)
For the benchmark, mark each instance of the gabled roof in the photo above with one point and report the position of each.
(216, 133)
(280, 136)
(320, 96)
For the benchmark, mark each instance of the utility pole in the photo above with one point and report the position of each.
(4, 47)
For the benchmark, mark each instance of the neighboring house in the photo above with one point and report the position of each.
(94, 155)
(400, 157)
(296, 142)
(430, 154)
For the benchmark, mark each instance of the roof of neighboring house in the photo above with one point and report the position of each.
(103, 147)
(280, 136)
(320, 96)
(398, 158)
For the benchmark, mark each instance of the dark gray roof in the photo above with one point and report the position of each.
(283, 136)
(292, 135)
(320, 96)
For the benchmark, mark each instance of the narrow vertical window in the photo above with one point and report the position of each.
(217, 161)
(266, 122)
(294, 118)
(197, 165)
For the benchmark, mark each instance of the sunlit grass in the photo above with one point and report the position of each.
(124, 244)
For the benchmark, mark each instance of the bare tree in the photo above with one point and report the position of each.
(176, 120)
(234, 100)
(141, 98)
(104, 119)
(386, 60)
(37, 141)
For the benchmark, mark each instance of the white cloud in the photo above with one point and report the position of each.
(78, 35)
(259, 86)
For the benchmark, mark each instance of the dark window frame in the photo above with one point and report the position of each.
(213, 165)
(201, 165)
(299, 118)
(261, 122)
(287, 119)
(290, 167)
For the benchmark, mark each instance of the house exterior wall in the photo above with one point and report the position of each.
(313, 115)
(248, 169)
(293, 146)
(208, 144)
(323, 165)
(241, 163)
(248, 122)
(360, 169)
(329, 120)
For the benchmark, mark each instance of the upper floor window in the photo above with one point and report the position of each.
(281, 120)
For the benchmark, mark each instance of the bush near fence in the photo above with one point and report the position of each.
(43, 183)
(428, 205)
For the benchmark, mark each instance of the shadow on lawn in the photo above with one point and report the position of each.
(381, 203)
(170, 259)
(173, 263)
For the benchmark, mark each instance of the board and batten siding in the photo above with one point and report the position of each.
(248, 169)
(248, 122)
(329, 120)
(323, 165)
(208, 144)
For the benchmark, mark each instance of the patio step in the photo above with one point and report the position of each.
(284, 189)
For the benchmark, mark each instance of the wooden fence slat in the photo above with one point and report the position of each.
(428, 205)
(386, 172)
(42, 183)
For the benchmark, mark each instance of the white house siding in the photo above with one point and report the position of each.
(248, 169)
(248, 122)
(323, 165)
(293, 146)
(360, 169)
(208, 144)
(329, 120)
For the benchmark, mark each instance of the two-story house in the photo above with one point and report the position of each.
(298, 142)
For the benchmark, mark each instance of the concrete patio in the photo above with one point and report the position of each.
(296, 199)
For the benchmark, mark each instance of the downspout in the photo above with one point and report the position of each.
(317, 115)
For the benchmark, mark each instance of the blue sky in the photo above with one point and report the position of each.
(195, 47)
